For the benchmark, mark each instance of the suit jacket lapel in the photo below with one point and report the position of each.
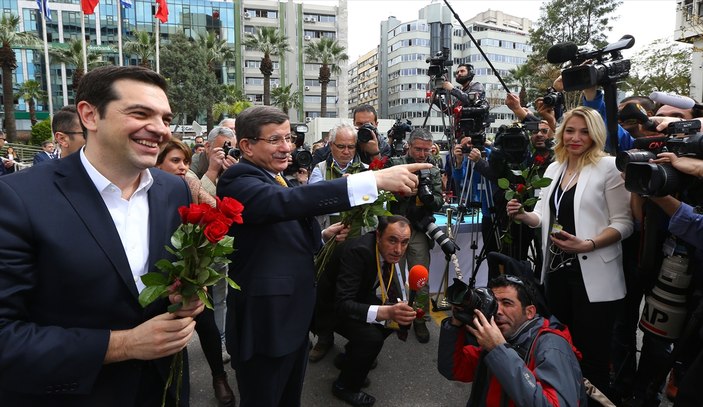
(79, 190)
(158, 232)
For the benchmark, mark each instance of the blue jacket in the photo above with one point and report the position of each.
(625, 140)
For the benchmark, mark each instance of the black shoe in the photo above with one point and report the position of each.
(355, 398)
(421, 332)
(366, 383)
(223, 393)
(319, 351)
(341, 358)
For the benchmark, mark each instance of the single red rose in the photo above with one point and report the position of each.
(211, 215)
(232, 209)
(419, 313)
(215, 231)
(193, 213)
(539, 160)
(520, 188)
(378, 163)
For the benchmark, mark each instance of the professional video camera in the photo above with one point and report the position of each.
(553, 98)
(229, 150)
(466, 299)
(302, 158)
(474, 120)
(397, 135)
(645, 178)
(437, 70)
(608, 65)
(365, 133)
(435, 233)
(513, 141)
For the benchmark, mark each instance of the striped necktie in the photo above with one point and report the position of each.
(279, 179)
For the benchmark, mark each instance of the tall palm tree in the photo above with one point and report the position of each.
(330, 54)
(31, 91)
(520, 76)
(285, 99)
(9, 36)
(269, 41)
(73, 56)
(143, 46)
(217, 52)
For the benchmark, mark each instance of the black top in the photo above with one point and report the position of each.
(566, 208)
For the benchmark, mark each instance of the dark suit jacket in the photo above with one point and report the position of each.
(65, 282)
(273, 260)
(41, 157)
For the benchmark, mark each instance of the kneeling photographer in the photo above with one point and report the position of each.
(418, 208)
(513, 353)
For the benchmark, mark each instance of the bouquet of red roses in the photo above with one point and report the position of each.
(198, 243)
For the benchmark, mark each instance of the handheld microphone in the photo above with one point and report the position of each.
(678, 101)
(418, 277)
(562, 52)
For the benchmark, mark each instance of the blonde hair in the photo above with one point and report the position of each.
(596, 131)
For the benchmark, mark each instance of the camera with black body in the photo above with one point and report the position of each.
(474, 120)
(513, 142)
(437, 70)
(231, 151)
(397, 135)
(302, 157)
(645, 178)
(424, 186)
(553, 98)
(366, 132)
(608, 65)
(428, 225)
(466, 300)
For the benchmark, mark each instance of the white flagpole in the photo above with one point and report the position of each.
(42, 10)
(119, 33)
(158, 66)
(85, 53)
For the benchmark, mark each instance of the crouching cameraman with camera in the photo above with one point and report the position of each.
(512, 354)
(418, 208)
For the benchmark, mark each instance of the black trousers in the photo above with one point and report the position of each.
(273, 381)
(210, 341)
(590, 323)
(364, 346)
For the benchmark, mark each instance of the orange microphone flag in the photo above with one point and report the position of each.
(88, 6)
(418, 277)
(161, 11)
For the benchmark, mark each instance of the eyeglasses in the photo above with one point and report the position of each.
(543, 131)
(345, 146)
(274, 141)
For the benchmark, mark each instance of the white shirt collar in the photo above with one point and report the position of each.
(102, 183)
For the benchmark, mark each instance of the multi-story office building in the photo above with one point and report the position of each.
(403, 81)
(363, 80)
(230, 19)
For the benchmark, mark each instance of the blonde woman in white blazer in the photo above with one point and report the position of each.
(584, 214)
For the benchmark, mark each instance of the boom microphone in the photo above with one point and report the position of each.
(418, 277)
(678, 101)
(562, 52)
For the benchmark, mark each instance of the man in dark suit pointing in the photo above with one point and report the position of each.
(268, 320)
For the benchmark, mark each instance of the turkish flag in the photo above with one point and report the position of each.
(161, 11)
(88, 6)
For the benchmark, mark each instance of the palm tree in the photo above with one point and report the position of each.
(269, 41)
(233, 102)
(520, 76)
(143, 46)
(31, 91)
(73, 55)
(217, 52)
(329, 53)
(285, 99)
(9, 36)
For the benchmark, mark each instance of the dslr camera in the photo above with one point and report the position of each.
(435, 233)
(365, 133)
(231, 151)
(645, 178)
(553, 98)
(466, 300)
(437, 70)
(397, 135)
(302, 158)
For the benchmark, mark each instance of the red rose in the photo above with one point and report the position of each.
(232, 209)
(193, 213)
(378, 163)
(539, 160)
(520, 188)
(215, 231)
(419, 313)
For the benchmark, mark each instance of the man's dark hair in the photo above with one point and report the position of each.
(384, 221)
(364, 108)
(251, 120)
(47, 142)
(524, 287)
(96, 87)
(646, 103)
(63, 120)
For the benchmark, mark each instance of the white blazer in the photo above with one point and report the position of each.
(600, 201)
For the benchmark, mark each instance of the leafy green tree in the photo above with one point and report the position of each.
(40, 132)
(73, 56)
(217, 52)
(232, 102)
(286, 99)
(192, 87)
(31, 91)
(520, 78)
(10, 37)
(271, 43)
(663, 66)
(143, 46)
(330, 54)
